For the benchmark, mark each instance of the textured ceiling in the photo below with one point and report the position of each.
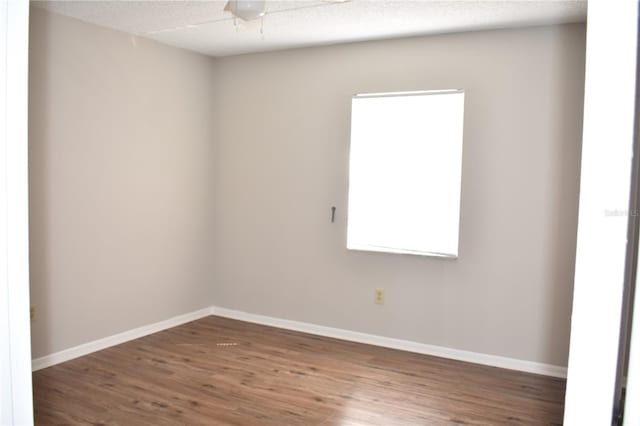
(204, 27)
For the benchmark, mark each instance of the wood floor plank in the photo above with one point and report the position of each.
(218, 371)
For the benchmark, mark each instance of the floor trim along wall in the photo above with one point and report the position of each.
(337, 333)
(116, 339)
(404, 345)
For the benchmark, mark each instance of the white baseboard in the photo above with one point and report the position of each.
(116, 339)
(337, 333)
(404, 345)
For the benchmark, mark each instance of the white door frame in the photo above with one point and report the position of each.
(632, 410)
(605, 185)
(16, 405)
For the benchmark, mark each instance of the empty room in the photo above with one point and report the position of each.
(330, 212)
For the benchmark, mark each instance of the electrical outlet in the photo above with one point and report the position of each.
(379, 296)
(32, 312)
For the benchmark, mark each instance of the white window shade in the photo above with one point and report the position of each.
(405, 172)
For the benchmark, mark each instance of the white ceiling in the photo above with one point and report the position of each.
(204, 27)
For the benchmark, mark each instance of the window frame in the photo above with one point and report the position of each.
(357, 245)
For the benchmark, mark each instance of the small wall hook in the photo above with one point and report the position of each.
(333, 214)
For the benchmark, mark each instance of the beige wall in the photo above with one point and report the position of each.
(121, 140)
(282, 162)
(163, 182)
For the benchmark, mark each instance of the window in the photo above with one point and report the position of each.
(405, 172)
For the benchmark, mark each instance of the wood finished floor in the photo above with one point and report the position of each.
(217, 371)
